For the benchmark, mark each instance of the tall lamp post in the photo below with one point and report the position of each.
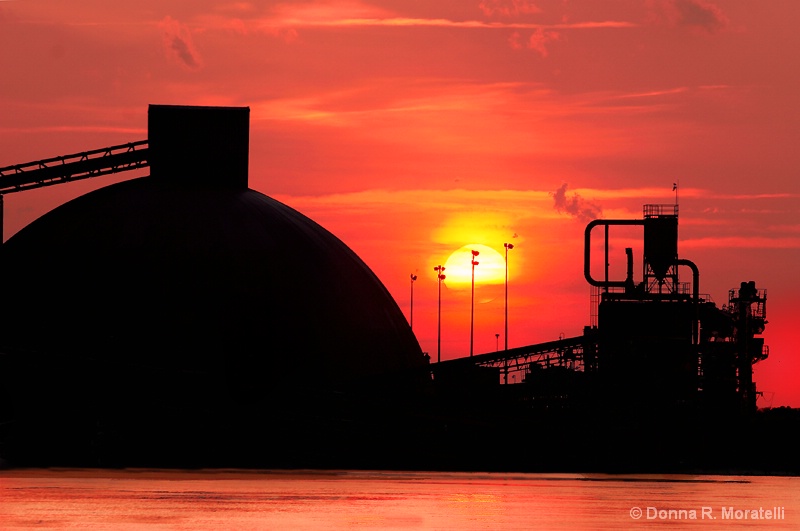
(508, 247)
(472, 310)
(413, 278)
(439, 277)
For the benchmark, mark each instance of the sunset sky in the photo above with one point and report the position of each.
(412, 128)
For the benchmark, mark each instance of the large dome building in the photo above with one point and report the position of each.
(185, 319)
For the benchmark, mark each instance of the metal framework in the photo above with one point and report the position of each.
(67, 168)
(566, 352)
(56, 170)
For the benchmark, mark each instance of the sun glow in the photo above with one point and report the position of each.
(491, 267)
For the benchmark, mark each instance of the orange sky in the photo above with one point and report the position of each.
(410, 128)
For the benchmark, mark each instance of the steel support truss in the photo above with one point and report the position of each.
(56, 170)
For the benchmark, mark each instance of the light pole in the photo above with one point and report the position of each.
(508, 247)
(472, 310)
(439, 277)
(413, 278)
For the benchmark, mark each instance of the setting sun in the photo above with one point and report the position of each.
(491, 268)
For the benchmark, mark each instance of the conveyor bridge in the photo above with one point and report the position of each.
(46, 172)
(67, 168)
(577, 353)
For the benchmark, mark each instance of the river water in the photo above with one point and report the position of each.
(234, 499)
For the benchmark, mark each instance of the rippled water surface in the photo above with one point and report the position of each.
(157, 499)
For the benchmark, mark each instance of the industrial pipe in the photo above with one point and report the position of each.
(587, 251)
(695, 297)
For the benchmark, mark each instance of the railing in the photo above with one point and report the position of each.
(651, 211)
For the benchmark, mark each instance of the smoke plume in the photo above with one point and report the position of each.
(575, 205)
(178, 44)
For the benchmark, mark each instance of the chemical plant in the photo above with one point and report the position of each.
(660, 340)
(148, 323)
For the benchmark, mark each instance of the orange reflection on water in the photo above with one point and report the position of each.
(137, 499)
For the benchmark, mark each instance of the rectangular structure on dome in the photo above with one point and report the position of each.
(199, 145)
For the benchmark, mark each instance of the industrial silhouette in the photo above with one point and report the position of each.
(182, 319)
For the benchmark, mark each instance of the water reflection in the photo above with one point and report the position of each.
(231, 499)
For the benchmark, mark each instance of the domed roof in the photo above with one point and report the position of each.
(162, 270)
(173, 320)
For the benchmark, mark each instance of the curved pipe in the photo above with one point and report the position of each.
(695, 277)
(587, 251)
(695, 297)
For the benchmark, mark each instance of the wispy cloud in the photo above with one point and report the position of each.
(139, 132)
(451, 200)
(178, 44)
(742, 242)
(540, 38)
(446, 23)
(355, 14)
(508, 8)
(656, 93)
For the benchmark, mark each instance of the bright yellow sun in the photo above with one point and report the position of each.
(491, 268)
